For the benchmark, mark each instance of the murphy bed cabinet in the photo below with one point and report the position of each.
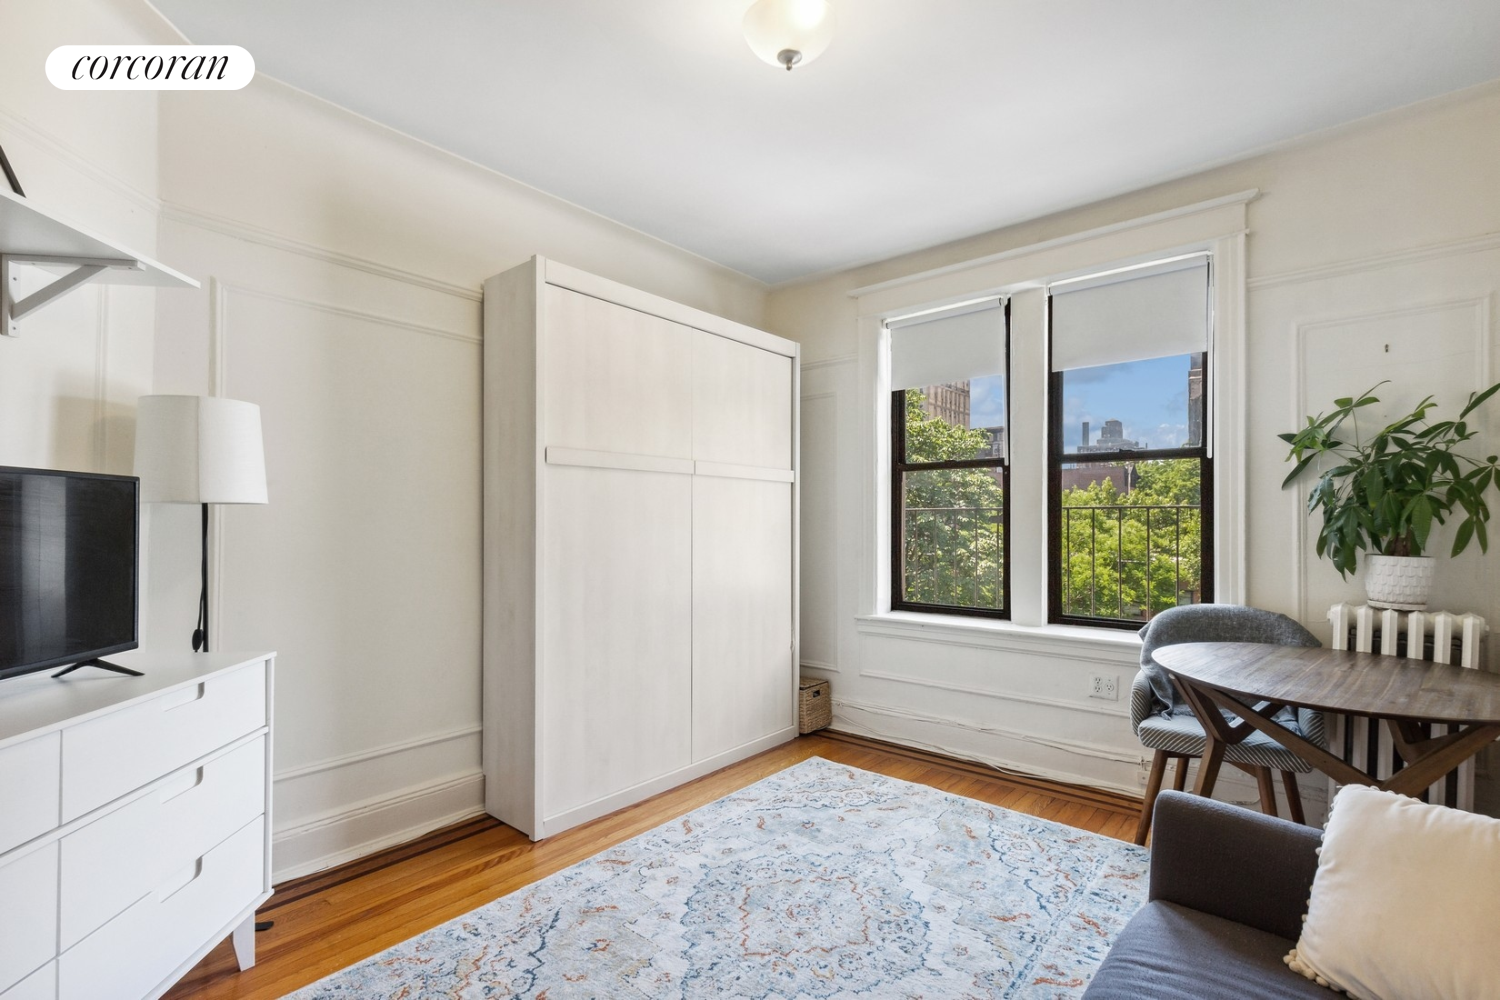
(640, 545)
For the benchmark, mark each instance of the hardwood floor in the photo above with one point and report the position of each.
(326, 921)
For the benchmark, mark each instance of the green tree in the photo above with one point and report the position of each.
(953, 537)
(1132, 554)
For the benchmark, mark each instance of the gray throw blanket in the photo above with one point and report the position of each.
(1211, 623)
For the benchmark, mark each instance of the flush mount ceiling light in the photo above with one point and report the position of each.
(789, 32)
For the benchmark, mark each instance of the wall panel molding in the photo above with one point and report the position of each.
(375, 753)
(1376, 262)
(1303, 332)
(344, 312)
(851, 359)
(101, 380)
(265, 237)
(373, 825)
(1008, 696)
(51, 145)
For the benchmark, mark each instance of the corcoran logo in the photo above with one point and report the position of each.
(150, 67)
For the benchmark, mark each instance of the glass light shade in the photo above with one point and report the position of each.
(789, 32)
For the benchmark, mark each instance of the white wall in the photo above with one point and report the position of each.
(341, 265)
(68, 385)
(1383, 234)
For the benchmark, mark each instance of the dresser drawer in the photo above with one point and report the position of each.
(118, 753)
(40, 985)
(29, 789)
(131, 955)
(114, 861)
(28, 913)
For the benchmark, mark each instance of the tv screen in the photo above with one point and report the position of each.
(67, 567)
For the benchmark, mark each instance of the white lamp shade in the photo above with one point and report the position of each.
(199, 449)
(804, 26)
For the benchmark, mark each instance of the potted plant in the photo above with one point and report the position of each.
(1384, 493)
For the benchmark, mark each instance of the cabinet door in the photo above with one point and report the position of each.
(742, 404)
(617, 380)
(742, 611)
(617, 644)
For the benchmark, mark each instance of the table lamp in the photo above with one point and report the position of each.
(203, 450)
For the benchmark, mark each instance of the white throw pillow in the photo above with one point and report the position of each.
(1405, 903)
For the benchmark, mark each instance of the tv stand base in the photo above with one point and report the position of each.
(102, 665)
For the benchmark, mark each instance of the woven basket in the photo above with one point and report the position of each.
(814, 706)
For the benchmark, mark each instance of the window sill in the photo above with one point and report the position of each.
(1062, 641)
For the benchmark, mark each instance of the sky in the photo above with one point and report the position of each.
(1148, 397)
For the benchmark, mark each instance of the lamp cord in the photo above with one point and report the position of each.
(200, 633)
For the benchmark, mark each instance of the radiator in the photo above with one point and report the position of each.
(1440, 636)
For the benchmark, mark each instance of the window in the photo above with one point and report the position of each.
(1130, 477)
(949, 419)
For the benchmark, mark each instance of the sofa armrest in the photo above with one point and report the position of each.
(1232, 863)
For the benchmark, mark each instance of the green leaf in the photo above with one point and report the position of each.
(1297, 471)
(1476, 400)
(1461, 537)
(1421, 519)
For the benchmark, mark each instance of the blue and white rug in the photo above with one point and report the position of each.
(822, 881)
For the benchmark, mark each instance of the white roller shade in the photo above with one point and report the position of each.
(951, 346)
(1152, 312)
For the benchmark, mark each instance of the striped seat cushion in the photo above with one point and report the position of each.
(1180, 733)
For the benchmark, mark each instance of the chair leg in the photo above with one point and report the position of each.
(1267, 790)
(1179, 774)
(1293, 797)
(1153, 789)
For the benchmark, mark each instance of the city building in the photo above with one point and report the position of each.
(1111, 438)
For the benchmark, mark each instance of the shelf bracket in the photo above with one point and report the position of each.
(85, 269)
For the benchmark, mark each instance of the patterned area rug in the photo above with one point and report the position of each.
(822, 881)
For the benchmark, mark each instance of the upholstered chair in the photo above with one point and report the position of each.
(1165, 725)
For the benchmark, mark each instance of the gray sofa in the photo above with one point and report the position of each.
(1228, 891)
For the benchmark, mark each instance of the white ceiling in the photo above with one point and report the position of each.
(926, 120)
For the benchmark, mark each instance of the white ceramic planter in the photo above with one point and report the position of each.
(1400, 582)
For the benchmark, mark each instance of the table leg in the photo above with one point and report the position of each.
(1208, 767)
(1447, 753)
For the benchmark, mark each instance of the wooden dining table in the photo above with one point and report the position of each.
(1254, 681)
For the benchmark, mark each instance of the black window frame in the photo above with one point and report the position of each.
(1057, 458)
(899, 468)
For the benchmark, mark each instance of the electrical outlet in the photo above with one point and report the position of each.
(1105, 687)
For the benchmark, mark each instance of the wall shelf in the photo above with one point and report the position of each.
(31, 235)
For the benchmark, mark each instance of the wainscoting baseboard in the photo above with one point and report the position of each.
(338, 837)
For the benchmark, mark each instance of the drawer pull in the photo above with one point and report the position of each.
(181, 880)
(184, 697)
(182, 784)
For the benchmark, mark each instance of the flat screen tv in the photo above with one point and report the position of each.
(68, 579)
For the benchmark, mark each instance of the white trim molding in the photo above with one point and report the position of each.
(343, 835)
(375, 753)
(1375, 262)
(1217, 227)
(1022, 697)
(1106, 646)
(1303, 330)
(1042, 250)
(235, 229)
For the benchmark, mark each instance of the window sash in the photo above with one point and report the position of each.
(1057, 458)
(899, 469)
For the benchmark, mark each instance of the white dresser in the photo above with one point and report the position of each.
(134, 823)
